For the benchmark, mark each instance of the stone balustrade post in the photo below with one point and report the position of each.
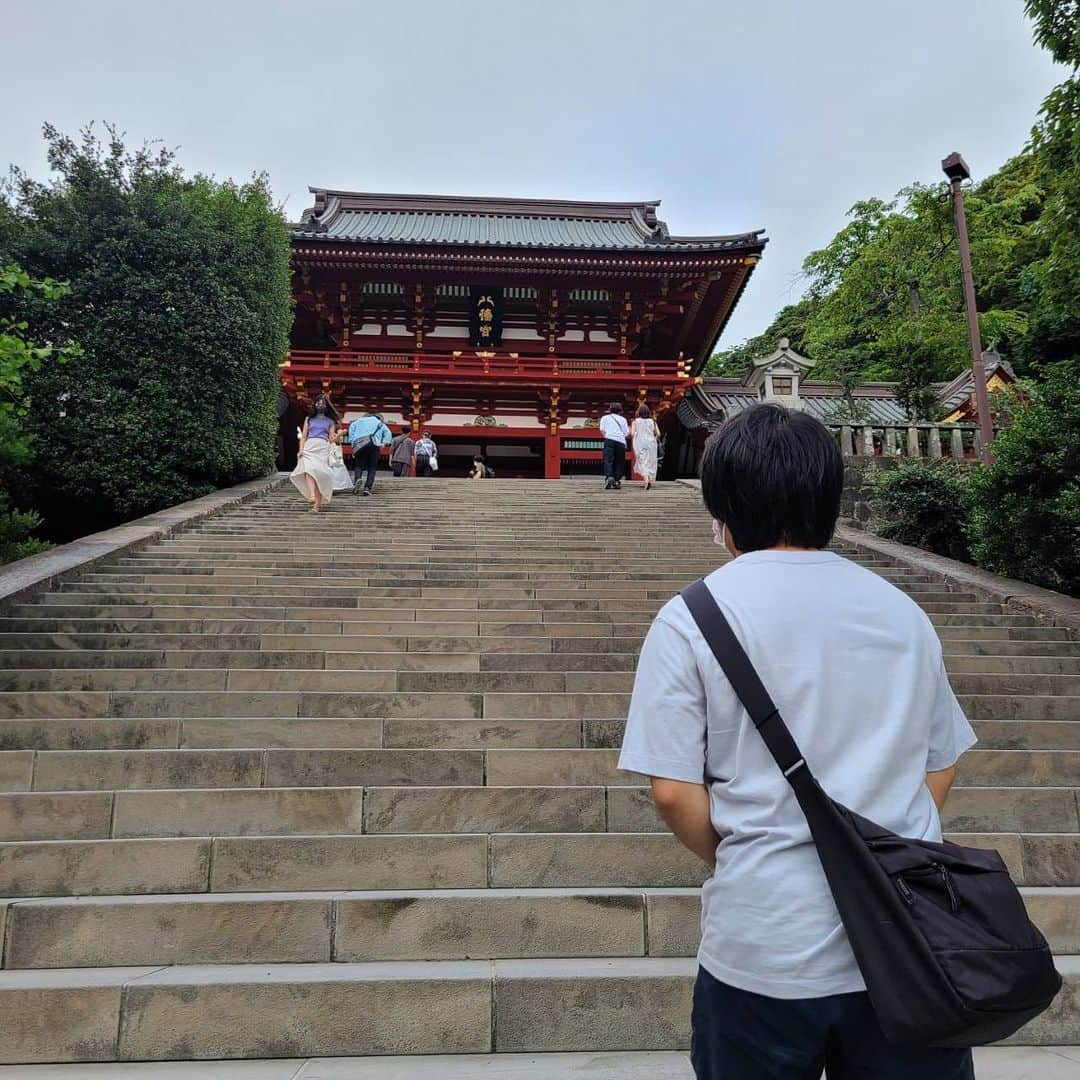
(867, 440)
(933, 442)
(956, 444)
(845, 440)
(914, 450)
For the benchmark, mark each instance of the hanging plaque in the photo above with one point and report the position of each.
(485, 317)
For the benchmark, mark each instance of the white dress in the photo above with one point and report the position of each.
(342, 480)
(645, 450)
(314, 462)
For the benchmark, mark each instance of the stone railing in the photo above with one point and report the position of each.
(960, 441)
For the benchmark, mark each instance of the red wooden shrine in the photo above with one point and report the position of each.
(503, 326)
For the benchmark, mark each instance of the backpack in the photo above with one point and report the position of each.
(489, 473)
(940, 932)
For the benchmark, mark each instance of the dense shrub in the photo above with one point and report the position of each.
(1025, 508)
(16, 533)
(925, 505)
(20, 357)
(180, 297)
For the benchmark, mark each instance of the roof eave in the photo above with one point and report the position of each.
(746, 244)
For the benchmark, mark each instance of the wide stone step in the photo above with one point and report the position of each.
(222, 732)
(418, 861)
(502, 678)
(494, 705)
(287, 811)
(447, 924)
(581, 804)
(314, 863)
(296, 1010)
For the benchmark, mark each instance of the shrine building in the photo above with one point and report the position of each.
(504, 326)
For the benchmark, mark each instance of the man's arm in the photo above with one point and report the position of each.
(685, 808)
(939, 784)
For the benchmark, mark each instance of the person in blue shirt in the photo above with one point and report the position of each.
(367, 435)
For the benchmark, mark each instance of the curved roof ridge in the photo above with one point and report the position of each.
(328, 198)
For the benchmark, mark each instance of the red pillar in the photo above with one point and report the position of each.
(552, 462)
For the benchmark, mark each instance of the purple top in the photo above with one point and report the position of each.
(318, 427)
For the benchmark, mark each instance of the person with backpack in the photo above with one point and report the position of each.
(426, 455)
(481, 470)
(367, 435)
(856, 671)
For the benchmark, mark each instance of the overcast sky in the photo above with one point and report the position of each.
(738, 114)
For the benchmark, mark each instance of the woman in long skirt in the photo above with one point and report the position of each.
(312, 476)
(643, 434)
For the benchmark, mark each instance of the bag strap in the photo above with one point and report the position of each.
(745, 681)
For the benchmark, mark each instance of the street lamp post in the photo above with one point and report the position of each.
(955, 168)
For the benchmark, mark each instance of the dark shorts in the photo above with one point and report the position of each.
(743, 1036)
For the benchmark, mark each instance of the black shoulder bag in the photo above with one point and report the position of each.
(940, 932)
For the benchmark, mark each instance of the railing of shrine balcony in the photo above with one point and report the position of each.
(959, 441)
(343, 362)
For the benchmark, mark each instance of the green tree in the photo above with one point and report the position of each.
(20, 357)
(884, 299)
(1055, 280)
(180, 296)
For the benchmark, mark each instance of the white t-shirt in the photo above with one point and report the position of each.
(856, 670)
(613, 426)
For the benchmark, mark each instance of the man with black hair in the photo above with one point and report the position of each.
(856, 669)
(615, 430)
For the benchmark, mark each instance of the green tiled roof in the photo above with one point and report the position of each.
(522, 223)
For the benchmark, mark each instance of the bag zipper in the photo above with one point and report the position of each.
(946, 880)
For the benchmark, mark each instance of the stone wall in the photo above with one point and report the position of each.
(855, 508)
(858, 475)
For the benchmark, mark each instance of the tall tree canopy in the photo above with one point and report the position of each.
(180, 298)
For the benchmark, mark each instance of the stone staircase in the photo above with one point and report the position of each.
(288, 785)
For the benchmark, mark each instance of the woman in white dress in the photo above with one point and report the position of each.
(644, 434)
(312, 475)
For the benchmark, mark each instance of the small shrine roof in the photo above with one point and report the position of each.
(824, 400)
(956, 393)
(497, 222)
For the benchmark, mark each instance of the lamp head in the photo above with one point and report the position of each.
(955, 168)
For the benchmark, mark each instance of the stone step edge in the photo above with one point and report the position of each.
(20, 580)
(1071, 892)
(1007, 1063)
(143, 1013)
